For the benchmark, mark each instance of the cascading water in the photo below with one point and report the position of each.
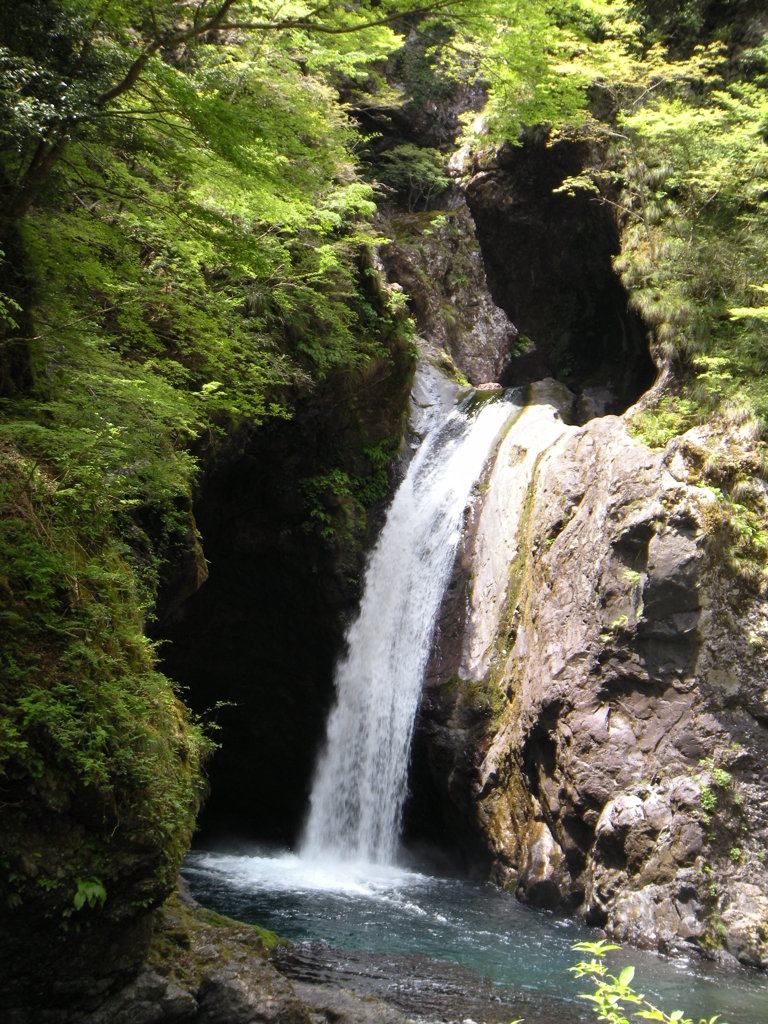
(361, 776)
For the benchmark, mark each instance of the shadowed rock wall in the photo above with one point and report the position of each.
(548, 259)
(285, 546)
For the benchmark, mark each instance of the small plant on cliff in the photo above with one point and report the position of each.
(708, 800)
(719, 778)
(613, 997)
(90, 891)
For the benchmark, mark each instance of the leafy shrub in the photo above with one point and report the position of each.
(613, 997)
(416, 173)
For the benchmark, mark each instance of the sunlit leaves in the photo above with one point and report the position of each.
(613, 997)
(754, 312)
(716, 147)
(192, 262)
(683, 145)
(530, 67)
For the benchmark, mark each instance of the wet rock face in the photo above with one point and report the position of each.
(548, 260)
(625, 775)
(436, 260)
(460, 704)
(208, 969)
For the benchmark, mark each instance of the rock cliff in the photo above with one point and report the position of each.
(608, 665)
(436, 259)
(548, 257)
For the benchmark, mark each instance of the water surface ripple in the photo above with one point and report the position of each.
(444, 949)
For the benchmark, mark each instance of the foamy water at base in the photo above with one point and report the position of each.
(511, 957)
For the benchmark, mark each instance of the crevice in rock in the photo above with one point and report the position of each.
(548, 260)
(539, 753)
(439, 820)
(577, 839)
(632, 546)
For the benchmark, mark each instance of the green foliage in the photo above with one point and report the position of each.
(717, 777)
(89, 892)
(708, 800)
(84, 714)
(695, 258)
(430, 68)
(613, 997)
(680, 128)
(337, 500)
(8, 307)
(215, 219)
(416, 173)
(528, 61)
(65, 64)
(682, 24)
(333, 510)
(189, 237)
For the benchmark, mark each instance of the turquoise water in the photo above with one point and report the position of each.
(420, 925)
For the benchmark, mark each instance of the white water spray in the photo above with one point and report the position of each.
(361, 776)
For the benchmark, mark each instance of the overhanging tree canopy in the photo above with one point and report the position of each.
(66, 66)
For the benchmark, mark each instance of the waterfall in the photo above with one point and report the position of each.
(361, 776)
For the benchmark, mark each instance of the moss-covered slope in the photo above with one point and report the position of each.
(186, 259)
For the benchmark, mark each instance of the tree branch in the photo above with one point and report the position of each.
(165, 42)
(53, 144)
(308, 25)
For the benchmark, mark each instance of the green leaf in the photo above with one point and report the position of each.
(626, 976)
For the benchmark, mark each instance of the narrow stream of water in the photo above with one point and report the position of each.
(361, 777)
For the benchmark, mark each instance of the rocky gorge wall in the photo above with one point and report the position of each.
(548, 256)
(593, 732)
(612, 669)
(593, 727)
(286, 516)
